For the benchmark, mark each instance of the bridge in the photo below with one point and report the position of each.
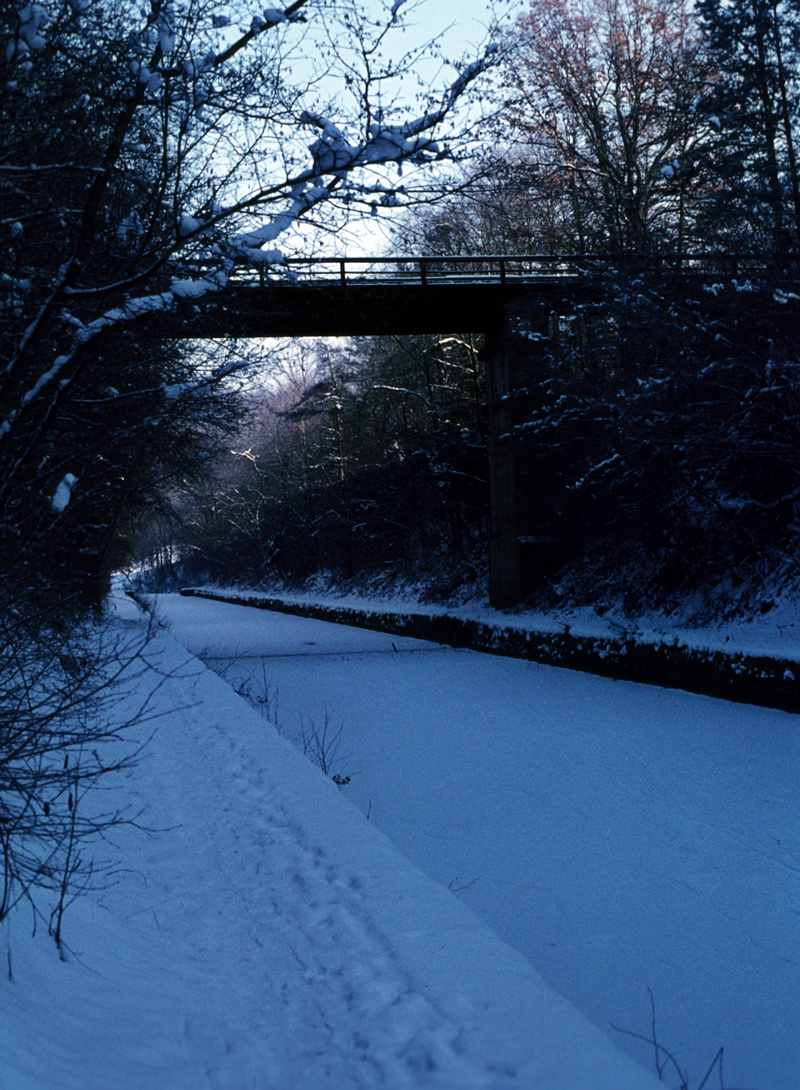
(362, 297)
(488, 294)
(369, 296)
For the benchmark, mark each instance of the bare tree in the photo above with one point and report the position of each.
(147, 155)
(190, 144)
(62, 732)
(601, 103)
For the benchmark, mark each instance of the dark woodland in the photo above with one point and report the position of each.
(655, 432)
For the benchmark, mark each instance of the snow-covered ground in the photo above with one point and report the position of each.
(268, 936)
(627, 839)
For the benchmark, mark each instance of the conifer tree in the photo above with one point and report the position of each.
(754, 102)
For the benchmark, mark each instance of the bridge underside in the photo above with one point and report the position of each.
(353, 310)
(285, 310)
(520, 548)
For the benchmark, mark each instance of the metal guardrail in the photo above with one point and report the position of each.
(486, 268)
(505, 268)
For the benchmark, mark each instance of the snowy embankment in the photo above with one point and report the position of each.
(630, 841)
(269, 936)
(757, 662)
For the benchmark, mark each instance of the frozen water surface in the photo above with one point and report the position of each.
(623, 837)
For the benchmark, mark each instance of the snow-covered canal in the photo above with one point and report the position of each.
(630, 841)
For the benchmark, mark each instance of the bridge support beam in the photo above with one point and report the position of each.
(510, 361)
(505, 574)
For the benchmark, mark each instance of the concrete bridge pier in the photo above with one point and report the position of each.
(511, 359)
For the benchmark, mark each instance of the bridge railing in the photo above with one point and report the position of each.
(491, 268)
(423, 270)
(499, 268)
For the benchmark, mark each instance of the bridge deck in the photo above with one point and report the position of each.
(368, 296)
(357, 309)
(523, 268)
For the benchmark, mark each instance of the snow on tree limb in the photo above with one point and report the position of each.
(189, 151)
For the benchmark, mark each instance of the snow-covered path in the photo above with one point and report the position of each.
(624, 838)
(269, 937)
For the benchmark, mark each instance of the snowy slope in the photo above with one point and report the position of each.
(269, 936)
(623, 837)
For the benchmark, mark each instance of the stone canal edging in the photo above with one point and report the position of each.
(753, 679)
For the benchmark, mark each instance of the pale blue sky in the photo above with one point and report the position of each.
(465, 25)
(470, 18)
(466, 22)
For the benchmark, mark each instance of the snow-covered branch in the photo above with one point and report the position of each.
(140, 146)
